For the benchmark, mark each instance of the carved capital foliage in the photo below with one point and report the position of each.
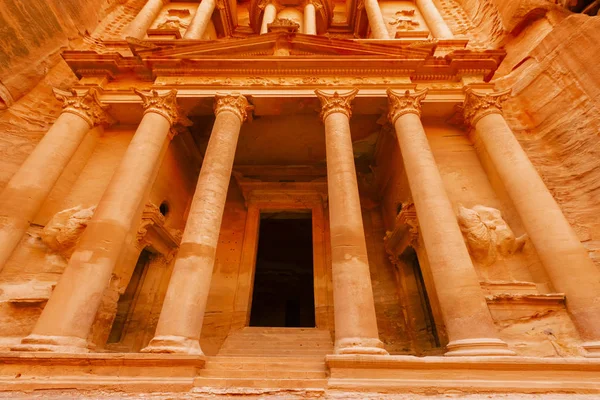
(235, 103)
(400, 104)
(163, 104)
(316, 3)
(478, 105)
(336, 103)
(86, 106)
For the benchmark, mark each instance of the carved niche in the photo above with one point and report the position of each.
(487, 234)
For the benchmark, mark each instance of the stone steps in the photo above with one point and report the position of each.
(277, 342)
(263, 372)
(261, 358)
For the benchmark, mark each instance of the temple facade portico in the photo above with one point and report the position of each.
(302, 193)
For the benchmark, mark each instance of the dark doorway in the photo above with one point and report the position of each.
(283, 294)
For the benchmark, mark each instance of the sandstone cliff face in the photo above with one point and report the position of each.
(32, 32)
(555, 113)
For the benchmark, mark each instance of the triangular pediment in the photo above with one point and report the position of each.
(281, 44)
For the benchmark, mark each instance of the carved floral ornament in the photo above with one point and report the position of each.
(400, 104)
(87, 106)
(235, 103)
(336, 103)
(478, 105)
(165, 105)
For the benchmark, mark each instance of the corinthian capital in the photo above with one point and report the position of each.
(400, 104)
(163, 104)
(86, 106)
(478, 105)
(235, 103)
(336, 103)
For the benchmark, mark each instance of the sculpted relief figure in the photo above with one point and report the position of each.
(487, 235)
(63, 231)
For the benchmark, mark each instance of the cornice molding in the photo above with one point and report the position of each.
(336, 103)
(477, 105)
(407, 103)
(235, 103)
(86, 106)
(163, 104)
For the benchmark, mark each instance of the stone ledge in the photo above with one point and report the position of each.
(100, 359)
(491, 374)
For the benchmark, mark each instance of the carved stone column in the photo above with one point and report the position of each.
(180, 323)
(438, 27)
(269, 16)
(66, 320)
(27, 190)
(138, 27)
(310, 18)
(355, 322)
(566, 260)
(375, 18)
(201, 20)
(468, 321)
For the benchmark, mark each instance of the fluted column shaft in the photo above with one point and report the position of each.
(467, 319)
(438, 27)
(376, 21)
(354, 308)
(66, 320)
(310, 19)
(29, 187)
(565, 259)
(268, 17)
(201, 20)
(140, 24)
(180, 322)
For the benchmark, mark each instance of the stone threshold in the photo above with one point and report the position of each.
(489, 374)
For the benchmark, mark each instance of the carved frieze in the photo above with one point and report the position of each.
(400, 104)
(332, 103)
(163, 104)
(487, 234)
(478, 105)
(235, 103)
(86, 106)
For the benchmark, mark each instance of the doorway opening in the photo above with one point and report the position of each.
(283, 294)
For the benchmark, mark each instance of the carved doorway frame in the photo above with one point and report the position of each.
(285, 196)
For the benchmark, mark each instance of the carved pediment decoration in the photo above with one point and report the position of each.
(153, 232)
(405, 233)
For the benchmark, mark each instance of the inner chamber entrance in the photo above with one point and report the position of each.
(283, 294)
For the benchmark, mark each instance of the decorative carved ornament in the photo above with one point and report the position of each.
(405, 233)
(404, 20)
(404, 104)
(86, 106)
(336, 103)
(61, 234)
(235, 103)
(478, 105)
(283, 25)
(152, 231)
(487, 234)
(163, 104)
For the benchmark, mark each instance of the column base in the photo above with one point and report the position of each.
(173, 344)
(478, 347)
(55, 344)
(360, 346)
(592, 349)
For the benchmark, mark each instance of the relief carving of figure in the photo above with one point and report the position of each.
(405, 21)
(487, 235)
(63, 231)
